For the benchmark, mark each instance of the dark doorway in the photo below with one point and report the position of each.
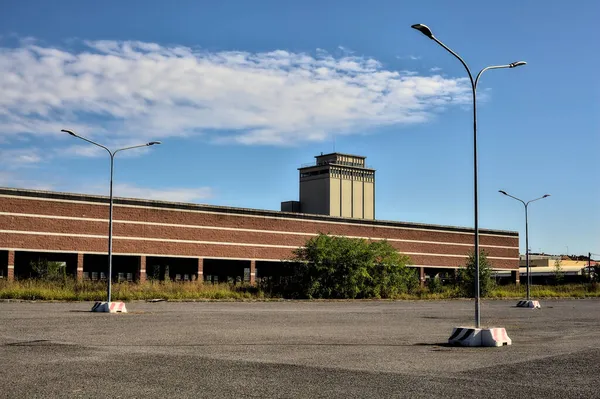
(32, 264)
(174, 269)
(124, 267)
(226, 271)
(274, 270)
(3, 264)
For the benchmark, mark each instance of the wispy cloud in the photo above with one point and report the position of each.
(20, 157)
(166, 194)
(435, 69)
(114, 89)
(18, 179)
(29, 157)
(12, 179)
(408, 57)
(345, 50)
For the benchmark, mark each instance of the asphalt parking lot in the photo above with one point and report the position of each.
(361, 349)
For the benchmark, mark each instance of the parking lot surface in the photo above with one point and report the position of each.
(287, 349)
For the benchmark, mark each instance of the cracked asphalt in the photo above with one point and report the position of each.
(297, 349)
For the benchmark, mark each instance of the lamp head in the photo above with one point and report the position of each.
(516, 64)
(69, 131)
(424, 29)
(153, 143)
(502, 192)
(546, 195)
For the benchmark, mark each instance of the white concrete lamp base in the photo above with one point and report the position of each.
(109, 307)
(529, 304)
(469, 336)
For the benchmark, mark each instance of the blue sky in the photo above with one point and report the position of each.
(242, 93)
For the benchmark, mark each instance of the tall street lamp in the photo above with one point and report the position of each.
(526, 204)
(424, 29)
(110, 212)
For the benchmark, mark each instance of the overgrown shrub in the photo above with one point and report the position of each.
(347, 268)
(466, 276)
(47, 270)
(559, 275)
(435, 285)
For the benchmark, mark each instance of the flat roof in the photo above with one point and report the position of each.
(337, 164)
(20, 192)
(340, 153)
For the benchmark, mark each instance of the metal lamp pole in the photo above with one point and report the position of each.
(110, 212)
(424, 29)
(525, 204)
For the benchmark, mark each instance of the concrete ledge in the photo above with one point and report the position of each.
(488, 337)
(529, 304)
(495, 337)
(109, 307)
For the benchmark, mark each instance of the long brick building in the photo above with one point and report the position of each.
(211, 243)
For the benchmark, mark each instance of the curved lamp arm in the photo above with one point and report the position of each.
(72, 133)
(112, 153)
(138, 146)
(542, 197)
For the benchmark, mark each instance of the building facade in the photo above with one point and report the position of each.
(210, 243)
(338, 185)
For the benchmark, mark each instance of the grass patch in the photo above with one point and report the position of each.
(591, 290)
(71, 290)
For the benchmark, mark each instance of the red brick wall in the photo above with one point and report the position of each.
(148, 238)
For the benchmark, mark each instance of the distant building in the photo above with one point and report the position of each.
(336, 185)
(550, 261)
(545, 268)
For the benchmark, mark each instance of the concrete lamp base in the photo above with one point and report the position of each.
(468, 336)
(109, 307)
(529, 304)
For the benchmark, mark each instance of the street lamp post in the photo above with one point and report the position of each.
(424, 29)
(110, 212)
(526, 204)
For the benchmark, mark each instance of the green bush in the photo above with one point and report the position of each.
(347, 268)
(466, 276)
(435, 285)
(47, 270)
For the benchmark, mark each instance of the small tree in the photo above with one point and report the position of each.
(47, 270)
(467, 276)
(559, 275)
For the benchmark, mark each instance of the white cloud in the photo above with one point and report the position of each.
(113, 89)
(20, 157)
(19, 180)
(11, 179)
(408, 57)
(165, 194)
(435, 69)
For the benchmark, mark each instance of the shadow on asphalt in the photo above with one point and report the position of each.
(442, 344)
(37, 342)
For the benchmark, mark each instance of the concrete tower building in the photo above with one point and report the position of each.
(338, 185)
